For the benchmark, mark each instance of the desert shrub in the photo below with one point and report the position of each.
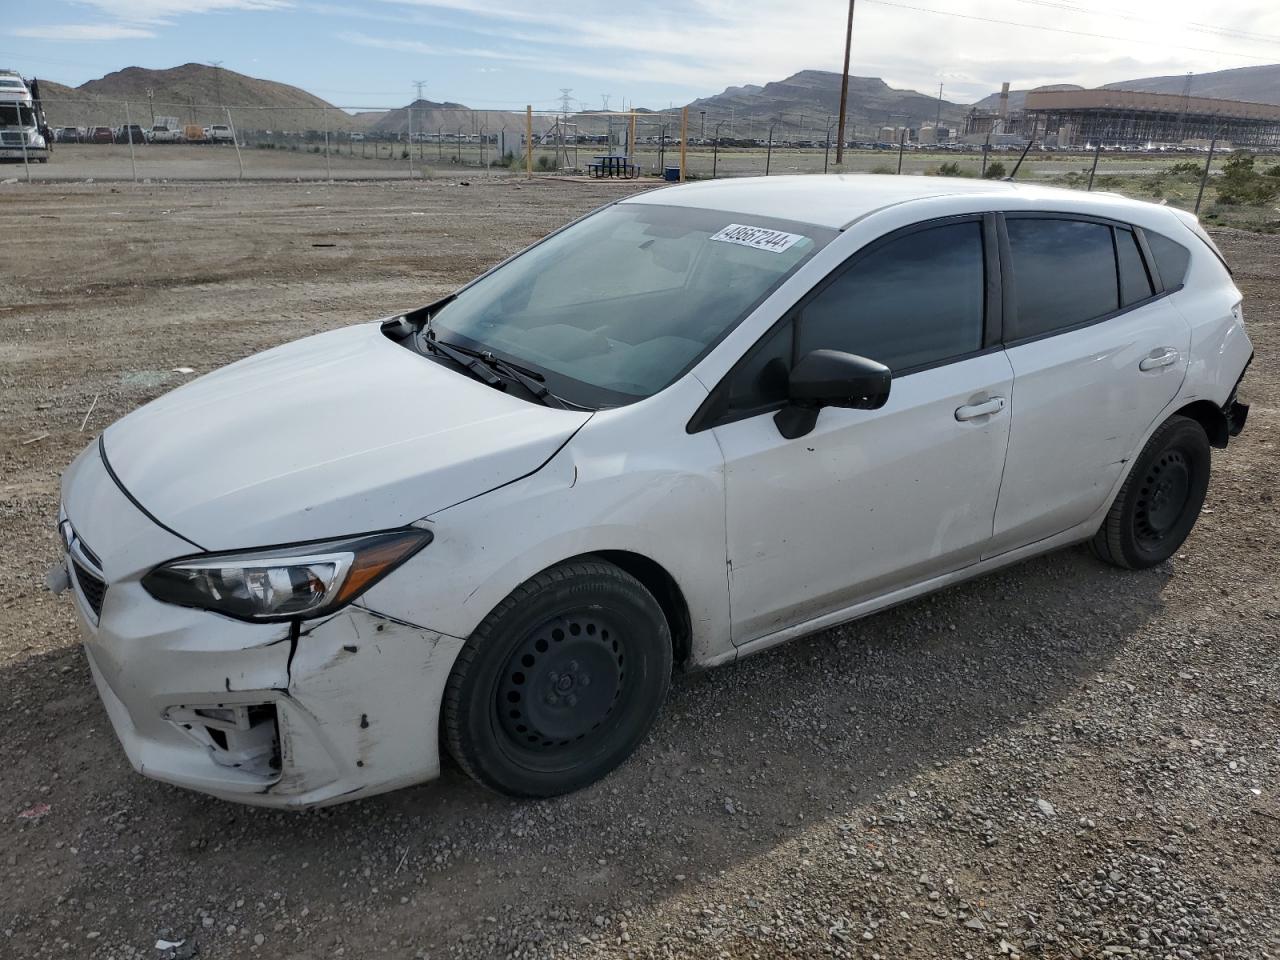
(1272, 171)
(950, 169)
(545, 163)
(1240, 183)
(995, 170)
(1185, 168)
(883, 168)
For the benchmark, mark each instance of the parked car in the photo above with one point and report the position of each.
(67, 135)
(100, 135)
(130, 132)
(164, 133)
(692, 425)
(221, 133)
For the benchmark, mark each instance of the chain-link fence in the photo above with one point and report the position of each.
(149, 139)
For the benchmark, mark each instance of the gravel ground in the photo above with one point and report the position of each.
(1059, 760)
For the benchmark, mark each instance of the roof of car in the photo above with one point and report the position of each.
(837, 200)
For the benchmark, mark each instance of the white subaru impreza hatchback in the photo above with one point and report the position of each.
(692, 425)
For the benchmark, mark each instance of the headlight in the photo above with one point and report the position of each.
(285, 583)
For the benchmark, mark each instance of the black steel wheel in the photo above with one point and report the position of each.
(1161, 498)
(560, 682)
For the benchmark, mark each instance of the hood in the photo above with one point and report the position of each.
(340, 433)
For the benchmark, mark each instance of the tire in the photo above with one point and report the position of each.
(1160, 500)
(560, 682)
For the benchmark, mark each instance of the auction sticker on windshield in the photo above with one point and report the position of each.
(775, 241)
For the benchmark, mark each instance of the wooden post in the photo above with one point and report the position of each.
(684, 138)
(528, 141)
(631, 137)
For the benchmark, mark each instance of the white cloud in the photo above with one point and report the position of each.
(709, 44)
(164, 11)
(85, 31)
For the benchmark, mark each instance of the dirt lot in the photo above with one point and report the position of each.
(1061, 760)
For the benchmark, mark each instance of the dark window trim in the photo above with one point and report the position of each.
(1147, 262)
(1010, 301)
(712, 413)
(1151, 261)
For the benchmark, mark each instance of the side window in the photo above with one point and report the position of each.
(913, 301)
(1172, 259)
(1064, 273)
(761, 380)
(1135, 284)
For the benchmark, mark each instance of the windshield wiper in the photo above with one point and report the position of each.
(472, 364)
(482, 363)
(529, 380)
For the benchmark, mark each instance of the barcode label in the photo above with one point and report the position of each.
(775, 241)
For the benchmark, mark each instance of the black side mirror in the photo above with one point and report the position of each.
(831, 378)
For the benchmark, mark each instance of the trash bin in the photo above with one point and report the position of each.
(671, 174)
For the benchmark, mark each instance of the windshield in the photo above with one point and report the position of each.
(15, 115)
(620, 304)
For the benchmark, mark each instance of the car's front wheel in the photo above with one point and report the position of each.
(1160, 500)
(560, 682)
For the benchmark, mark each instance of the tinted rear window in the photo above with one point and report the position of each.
(1064, 273)
(1172, 259)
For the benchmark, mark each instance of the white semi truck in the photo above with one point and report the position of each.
(23, 133)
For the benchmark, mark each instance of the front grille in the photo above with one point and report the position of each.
(92, 586)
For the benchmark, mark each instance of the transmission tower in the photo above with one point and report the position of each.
(419, 84)
(604, 101)
(565, 105)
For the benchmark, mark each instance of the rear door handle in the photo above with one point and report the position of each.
(1167, 357)
(973, 411)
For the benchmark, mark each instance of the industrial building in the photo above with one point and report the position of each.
(1132, 117)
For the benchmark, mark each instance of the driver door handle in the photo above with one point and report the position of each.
(973, 411)
(1166, 357)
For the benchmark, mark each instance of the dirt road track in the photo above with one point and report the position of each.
(1059, 760)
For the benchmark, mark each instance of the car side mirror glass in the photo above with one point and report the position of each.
(831, 378)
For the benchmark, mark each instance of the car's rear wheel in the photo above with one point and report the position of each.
(1160, 500)
(559, 684)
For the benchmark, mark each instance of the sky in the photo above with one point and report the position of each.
(502, 54)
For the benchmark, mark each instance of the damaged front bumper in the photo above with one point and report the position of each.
(282, 715)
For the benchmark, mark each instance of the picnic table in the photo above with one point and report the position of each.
(613, 165)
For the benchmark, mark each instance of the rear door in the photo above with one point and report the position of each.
(1097, 352)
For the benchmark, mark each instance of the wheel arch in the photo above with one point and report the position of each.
(658, 581)
(1210, 416)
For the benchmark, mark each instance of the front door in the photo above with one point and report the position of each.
(870, 500)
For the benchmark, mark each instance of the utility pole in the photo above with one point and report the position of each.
(844, 86)
(217, 80)
(702, 135)
(151, 101)
(938, 122)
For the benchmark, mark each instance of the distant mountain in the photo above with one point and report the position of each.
(811, 98)
(432, 117)
(1256, 84)
(194, 93)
